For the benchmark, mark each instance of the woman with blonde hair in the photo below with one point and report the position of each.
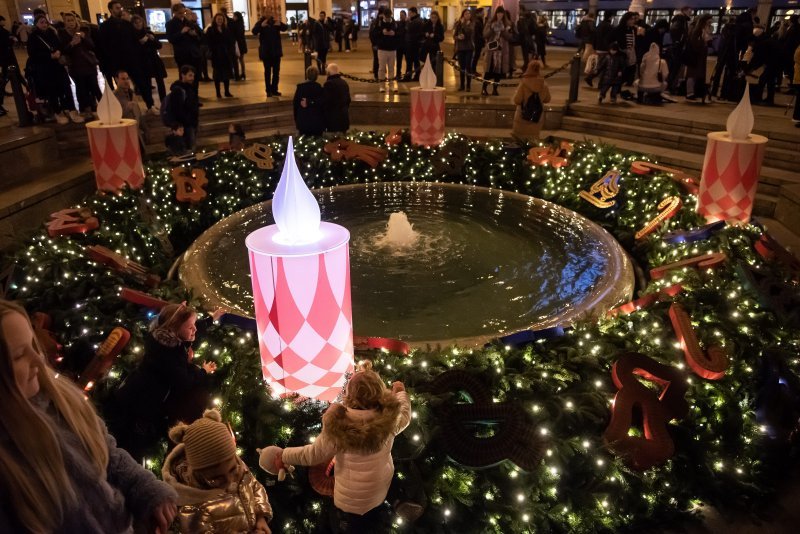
(358, 434)
(529, 116)
(166, 387)
(60, 471)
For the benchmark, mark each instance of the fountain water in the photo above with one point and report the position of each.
(399, 232)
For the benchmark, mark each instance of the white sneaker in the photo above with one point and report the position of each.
(76, 117)
(382, 89)
(347, 51)
(62, 118)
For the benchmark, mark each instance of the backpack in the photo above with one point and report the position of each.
(532, 109)
(168, 107)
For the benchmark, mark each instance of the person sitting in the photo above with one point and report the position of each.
(653, 75)
(62, 471)
(166, 387)
(130, 107)
(216, 490)
(308, 97)
(337, 101)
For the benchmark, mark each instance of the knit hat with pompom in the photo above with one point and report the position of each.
(207, 441)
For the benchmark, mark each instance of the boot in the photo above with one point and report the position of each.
(494, 90)
(484, 92)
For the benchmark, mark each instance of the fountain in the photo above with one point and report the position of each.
(477, 262)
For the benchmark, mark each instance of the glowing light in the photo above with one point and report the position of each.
(740, 121)
(294, 208)
(109, 109)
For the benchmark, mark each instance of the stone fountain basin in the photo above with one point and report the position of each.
(487, 263)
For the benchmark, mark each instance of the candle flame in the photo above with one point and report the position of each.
(109, 111)
(294, 208)
(427, 78)
(740, 121)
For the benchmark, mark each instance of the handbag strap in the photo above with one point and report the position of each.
(45, 43)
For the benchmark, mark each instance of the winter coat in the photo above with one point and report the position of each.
(361, 443)
(386, 42)
(467, 30)
(414, 31)
(215, 510)
(337, 104)
(586, 31)
(400, 34)
(477, 33)
(186, 47)
(269, 39)
(497, 61)
(651, 65)
(222, 45)
(603, 36)
(697, 57)
(128, 491)
(81, 59)
(237, 27)
(796, 78)
(309, 120)
(151, 61)
(320, 35)
(49, 76)
(610, 67)
(527, 86)
(117, 48)
(430, 45)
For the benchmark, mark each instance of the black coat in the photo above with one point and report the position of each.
(185, 46)
(337, 104)
(414, 31)
(7, 56)
(237, 27)
(269, 39)
(151, 61)
(430, 45)
(386, 42)
(222, 45)
(82, 60)
(49, 76)
(117, 47)
(184, 105)
(320, 34)
(310, 120)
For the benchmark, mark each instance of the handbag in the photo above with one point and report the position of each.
(493, 45)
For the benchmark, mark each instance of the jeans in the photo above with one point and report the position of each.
(87, 91)
(272, 73)
(615, 88)
(412, 61)
(465, 64)
(375, 62)
(386, 59)
(401, 52)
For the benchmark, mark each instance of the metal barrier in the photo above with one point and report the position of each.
(574, 78)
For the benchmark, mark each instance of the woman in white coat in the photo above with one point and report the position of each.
(653, 74)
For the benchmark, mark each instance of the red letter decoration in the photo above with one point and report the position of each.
(189, 184)
(142, 299)
(667, 209)
(119, 263)
(710, 364)
(545, 155)
(646, 301)
(656, 446)
(71, 221)
(606, 188)
(688, 182)
(104, 357)
(370, 343)
(342, 149)
(706, 261)
(259, 154)
(769, 249)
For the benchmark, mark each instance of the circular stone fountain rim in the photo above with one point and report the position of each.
(596, 303)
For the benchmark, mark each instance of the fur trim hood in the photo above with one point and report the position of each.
(165, 337)
(362, 431)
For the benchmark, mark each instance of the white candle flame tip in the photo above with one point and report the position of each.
(294, 207)
(109, 110)
(740, 121)
(427, 78)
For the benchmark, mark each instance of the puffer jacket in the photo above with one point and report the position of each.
(215, 510)
(361, 443)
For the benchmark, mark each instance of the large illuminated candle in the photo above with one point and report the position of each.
(731, 168)
(427, 109)
(300, 269)
(114, 144)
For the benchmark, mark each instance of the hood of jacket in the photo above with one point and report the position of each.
(362, 431)
(176, 473)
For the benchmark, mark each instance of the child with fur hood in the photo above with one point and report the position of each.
(216, 491)
(358, 434)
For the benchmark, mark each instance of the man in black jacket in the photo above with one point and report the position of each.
(414, 37)
(321, 30)
(185, 41)
(7, 59)
(477, 35)
(117, 47)
(400, 38)
(337, 101)
(270, 50)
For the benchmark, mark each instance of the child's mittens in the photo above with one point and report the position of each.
(269, 460)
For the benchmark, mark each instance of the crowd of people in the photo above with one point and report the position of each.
(670, 57)
(63, 471)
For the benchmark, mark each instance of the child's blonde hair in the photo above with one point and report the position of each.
(366, 390)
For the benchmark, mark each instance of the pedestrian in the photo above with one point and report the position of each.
(529, 115)
(293, 29)
(116, 44)
(526, 30)
(81, 63)
(723, 80)
(130, 107)
(216, 490)
(374, 37)
(400, 42)
(477, 35)
(610, 70)
(50, 78)
(167, 386)
(338, 32)
(586, 34)
(222, 45)
(358, 434)
(625, 37)
(354, 35)
(763, 66)
(387, 49)
(309, 118)
(796, 86)
(62, 471)
(8, 59)
(321, 39)
(182, 109)
(433, 35)
(152, 64)
(542, 30)
(348, 32)
(463, 35)
(185, 41)
(497, 64)
(270, 50)
(789, 42)
(414, 36)
(696, 58)
(337, 101)
(198, 35)
(653, 74)
(237, 27)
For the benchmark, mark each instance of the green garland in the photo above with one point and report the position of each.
(723, 456)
